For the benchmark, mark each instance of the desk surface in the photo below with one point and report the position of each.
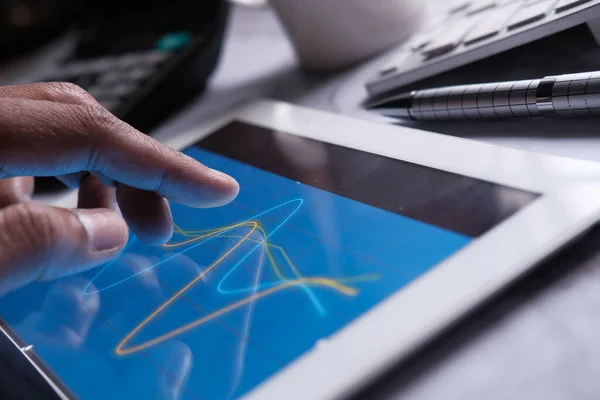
(540, 340)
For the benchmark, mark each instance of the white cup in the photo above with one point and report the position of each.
(334, 34)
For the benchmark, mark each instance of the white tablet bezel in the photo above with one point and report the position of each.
(388, 332)
(407, 319)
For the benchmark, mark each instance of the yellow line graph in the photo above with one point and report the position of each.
(297, 280)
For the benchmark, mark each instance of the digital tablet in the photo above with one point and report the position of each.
(350, 245)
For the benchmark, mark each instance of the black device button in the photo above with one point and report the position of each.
(139, 73)
(112, 91)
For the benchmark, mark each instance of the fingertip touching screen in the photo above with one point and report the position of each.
(319, 235)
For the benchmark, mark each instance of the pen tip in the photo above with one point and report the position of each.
(392, 106)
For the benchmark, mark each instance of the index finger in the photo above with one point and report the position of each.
(44, 138)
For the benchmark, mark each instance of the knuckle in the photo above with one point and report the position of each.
(32, 227)
(98, 125)
(9, 197)
(71, 89)
(162, 150)
(98, 118)
(103, 127)
(97, 130)
(65, 92)
(65, 87)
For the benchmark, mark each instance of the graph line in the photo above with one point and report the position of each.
(193, 239)
(297, 203)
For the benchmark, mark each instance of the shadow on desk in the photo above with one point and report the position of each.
(580, 258)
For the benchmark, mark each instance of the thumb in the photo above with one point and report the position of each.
(39, 242)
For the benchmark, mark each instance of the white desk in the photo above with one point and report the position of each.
(547, 345)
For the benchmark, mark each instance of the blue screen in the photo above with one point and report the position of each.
(238, 293)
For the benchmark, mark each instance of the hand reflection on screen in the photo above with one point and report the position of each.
(200, 290)
(66, 331)
(153, 351)
(97, 333)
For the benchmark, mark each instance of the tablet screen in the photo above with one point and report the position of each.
(319, 235)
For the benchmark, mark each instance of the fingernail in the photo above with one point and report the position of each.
(106, 230)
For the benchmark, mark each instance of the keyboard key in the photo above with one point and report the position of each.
(110, 78)
(419, 41)
(530, 14)
(123, 90)
(387, 69)
(129, 60)
(393, 62)
(75, 68)
(101, 92)
(459, 5)
(450, 39)
(138, 74)
(100, 65)
(130, 75)
(564, 5)
(155, 57)
(492, 25)
(480, 6)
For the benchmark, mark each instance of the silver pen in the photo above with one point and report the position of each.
(560, 96)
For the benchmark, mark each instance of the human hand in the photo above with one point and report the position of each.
(124, 177)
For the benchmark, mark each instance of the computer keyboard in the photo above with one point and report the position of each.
(112, 80)
(143, 61)
(471, 30)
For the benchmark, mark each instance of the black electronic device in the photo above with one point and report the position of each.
(144, 60)
(25, 25)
